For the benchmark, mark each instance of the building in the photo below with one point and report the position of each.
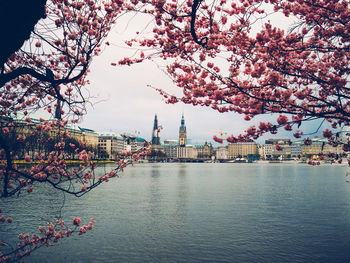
(182, 133)
(110, 144)
(155, 132)
(133, 143)
(268, 151)
(205, 151)
(277, 149)
(221, 153)
(187, 152)
(261, 151)
(41, 137)
(242, 149)
(89, 137)
(320, 146)
(139, 143)
(170, 148)
(295, 149)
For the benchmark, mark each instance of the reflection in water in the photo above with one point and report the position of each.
(182, 192)
(155, 171)
(155, 194)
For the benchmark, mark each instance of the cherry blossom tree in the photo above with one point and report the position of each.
(287, 58)
(232, 56)
(49, 73)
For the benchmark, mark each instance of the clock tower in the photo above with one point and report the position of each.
(182, 133)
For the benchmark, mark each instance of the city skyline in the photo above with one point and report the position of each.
(170, 130)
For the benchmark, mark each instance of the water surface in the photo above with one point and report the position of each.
(202, 213)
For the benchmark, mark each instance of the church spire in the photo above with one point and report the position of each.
(155, 124)
(155, 132)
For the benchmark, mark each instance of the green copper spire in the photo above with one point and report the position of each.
(183, 126)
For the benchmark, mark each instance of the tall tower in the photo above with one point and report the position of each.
(182, 133)
(155, 132)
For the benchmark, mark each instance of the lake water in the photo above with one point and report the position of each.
(186, 212)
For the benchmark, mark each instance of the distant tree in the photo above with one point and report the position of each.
(235, 56)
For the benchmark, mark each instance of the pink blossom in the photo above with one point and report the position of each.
(278, 147)
(83, 156)
(282, 119)
(90, 226)
(296, 135)
(219, 140)
(76, 221)
(327, 133)
(68, 233)
(307, 141)
(82, 230)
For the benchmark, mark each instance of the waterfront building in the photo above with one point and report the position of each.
(295, 149)
(221, 153)
(187, 152)
(89, 137)
(268, 150)
(320, 146)
(155, 132)
(242, 149)
(157, 153)
(271, 152)
(132, 142)
(110, 144)
(205, 151)
(139, 143)
(261, 150)
(285, 153)
(170, 148)
(332, 149)
(182, 133)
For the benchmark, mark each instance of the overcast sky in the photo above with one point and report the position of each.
(123, 102)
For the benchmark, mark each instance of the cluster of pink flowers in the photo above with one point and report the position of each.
(76, 221)
(278, 147)
(327, 133)
(219, 140)
(29, 243)
(84, 228)
(3, 219)
(83, 156)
